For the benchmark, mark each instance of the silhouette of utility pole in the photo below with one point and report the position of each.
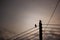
(40, 30)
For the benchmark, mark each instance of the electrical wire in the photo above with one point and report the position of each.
(53, 11)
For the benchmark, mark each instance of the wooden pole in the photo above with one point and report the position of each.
(40, 30)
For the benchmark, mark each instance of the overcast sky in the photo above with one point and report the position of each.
(20, 15)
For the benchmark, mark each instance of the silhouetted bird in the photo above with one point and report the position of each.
(35, 25)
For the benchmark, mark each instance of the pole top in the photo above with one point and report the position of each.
(40, 21)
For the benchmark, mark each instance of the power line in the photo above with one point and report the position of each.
(30, 35)
(22, 33)
(43, 30)
(34, 36)
(27, 33)
(52, 24)
(53, 11)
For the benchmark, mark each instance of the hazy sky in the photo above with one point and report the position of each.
(20, 15)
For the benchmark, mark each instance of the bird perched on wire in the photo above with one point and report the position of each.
(35, 25)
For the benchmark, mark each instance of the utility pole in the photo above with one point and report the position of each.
(40, 30)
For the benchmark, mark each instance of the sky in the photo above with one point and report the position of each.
(18, 16)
